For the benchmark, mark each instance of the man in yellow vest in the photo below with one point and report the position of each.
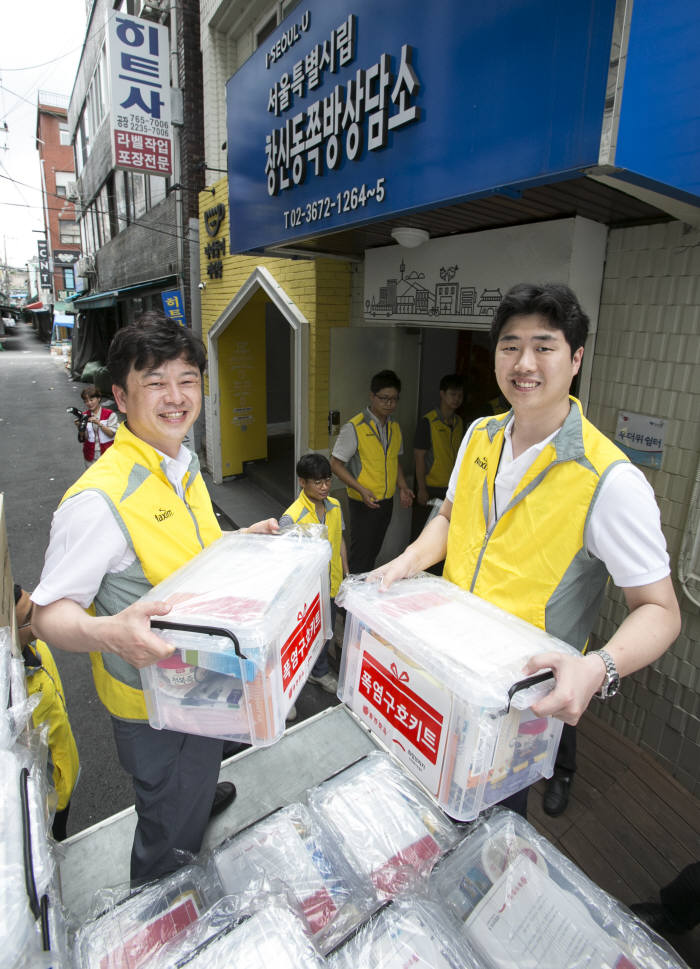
(42, 677)
(316, 507)
(135, 516)
(366, 459)
(542, 508)
(435, 445)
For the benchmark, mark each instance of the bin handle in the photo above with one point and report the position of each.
(524, 684)
(29, 881)
(188, 627)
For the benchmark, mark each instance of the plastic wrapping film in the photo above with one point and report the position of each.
(520, 902)
(406, 932)
(27, 870)
(428, 668)
(387, 828)
(15, 707)
(289, 851)
(131, 929)
(257, 608)
(262, 935)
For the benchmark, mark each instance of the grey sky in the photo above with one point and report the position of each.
(41, 42)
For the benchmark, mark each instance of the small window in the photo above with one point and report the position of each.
(68, 278)
(69, 232)
(267, 28)
(63, 133)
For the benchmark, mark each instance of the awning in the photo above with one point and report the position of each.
(109, 297)
(34, 306)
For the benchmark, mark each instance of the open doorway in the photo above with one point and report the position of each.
(257, 421)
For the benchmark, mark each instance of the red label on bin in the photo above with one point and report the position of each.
(387, 691)
(299, 643)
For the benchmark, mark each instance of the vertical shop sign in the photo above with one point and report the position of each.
(44, 267)
(173, 306)
(140, 95)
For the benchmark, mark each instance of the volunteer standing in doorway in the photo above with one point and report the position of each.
(542, 507)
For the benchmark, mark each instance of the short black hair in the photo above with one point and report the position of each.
(313, 466)
(152, 340)
(385, 378)
(554, 301)
(452, 381)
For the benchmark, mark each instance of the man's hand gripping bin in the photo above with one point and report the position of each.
(431, 670)
(249, 617)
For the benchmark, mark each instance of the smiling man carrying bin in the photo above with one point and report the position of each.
(134, 517)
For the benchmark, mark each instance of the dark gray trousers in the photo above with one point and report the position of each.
(175, 776)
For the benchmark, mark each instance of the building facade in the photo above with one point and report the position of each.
(57, 175)
(135, 120)
(343, 128)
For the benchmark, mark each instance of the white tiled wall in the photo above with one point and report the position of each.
(647, 360)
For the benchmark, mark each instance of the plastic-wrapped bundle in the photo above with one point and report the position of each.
(249, 617)
(15, 708)
(406, 932)
(289, 850)
(270, 938)
(520, 901)
(387, 828)
(27, 891)
(134, 927)
(432, 670)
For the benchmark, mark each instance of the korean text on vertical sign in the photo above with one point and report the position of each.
(173, 306)
(140, 95)
(302, 645)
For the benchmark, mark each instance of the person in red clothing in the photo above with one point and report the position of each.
(101, 427)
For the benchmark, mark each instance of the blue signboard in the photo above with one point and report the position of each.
(353, 113)
(658, 141)
(173, 306)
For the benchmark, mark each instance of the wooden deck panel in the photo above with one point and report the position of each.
(629, 826)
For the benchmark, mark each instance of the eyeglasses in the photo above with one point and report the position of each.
(387, 400)
(320, 482)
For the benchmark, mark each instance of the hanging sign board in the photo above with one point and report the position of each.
(351, 115)
(137, 52)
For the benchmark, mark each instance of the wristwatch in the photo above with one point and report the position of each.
(611, 683)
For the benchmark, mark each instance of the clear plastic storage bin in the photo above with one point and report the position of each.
(435, 673)
(249, 617)
(519, 902)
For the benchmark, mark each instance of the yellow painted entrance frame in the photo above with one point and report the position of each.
(259, 282)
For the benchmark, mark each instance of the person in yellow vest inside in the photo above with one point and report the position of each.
(315, 506)
(435, 445)
(135, 516)
(42, 677)
(366, 459)
(541, 509)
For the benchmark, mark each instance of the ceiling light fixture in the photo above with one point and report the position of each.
(409, 237)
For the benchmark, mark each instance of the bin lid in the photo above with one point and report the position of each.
(247, 583)
(476, 649)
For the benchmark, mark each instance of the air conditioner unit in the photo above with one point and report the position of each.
(86, 264)
(72, 193)
(154, 9)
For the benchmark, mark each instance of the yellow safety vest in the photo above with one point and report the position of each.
(372, 465)
(164, 532)
(45, 680)
(304, 510)
(444, 445)
(533, 561)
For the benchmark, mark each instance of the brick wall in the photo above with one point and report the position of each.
(320, 288)
(647, 360)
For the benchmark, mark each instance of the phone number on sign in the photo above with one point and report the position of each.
(346, 201)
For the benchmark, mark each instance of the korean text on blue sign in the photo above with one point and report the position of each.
(173, 307)
(641, 438)
(342, 118)
(140, 83)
